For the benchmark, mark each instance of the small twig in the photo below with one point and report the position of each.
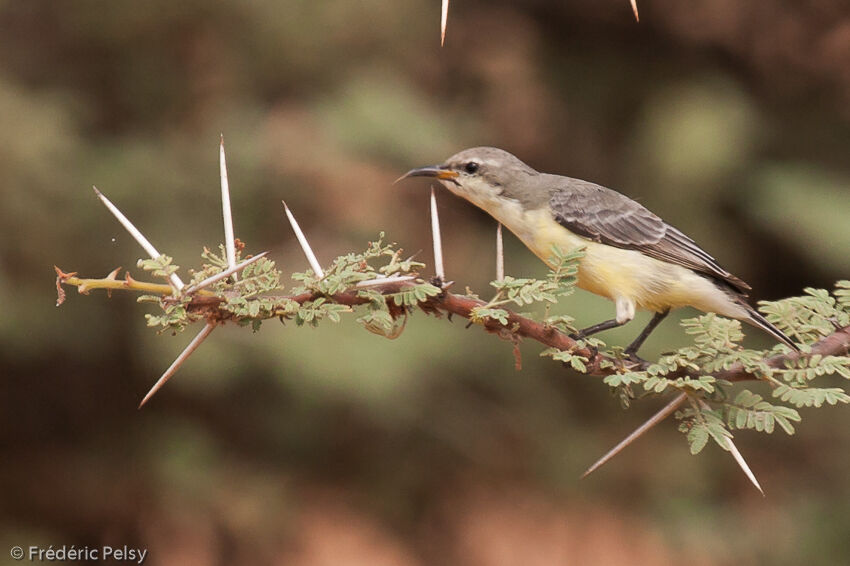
(438, 240)
(305, 245)
(500, 254)
(137, 235)
(193, 345)
(226, 273)
(226, 211)
(444, 18)
(654, 420)
(84, 286)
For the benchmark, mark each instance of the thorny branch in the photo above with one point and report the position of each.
(518, 327)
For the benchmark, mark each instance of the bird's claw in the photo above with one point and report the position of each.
(635, 359)
(578, 337)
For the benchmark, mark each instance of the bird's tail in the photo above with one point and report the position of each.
(756, 319)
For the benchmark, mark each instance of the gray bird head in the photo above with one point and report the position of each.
(484, 174)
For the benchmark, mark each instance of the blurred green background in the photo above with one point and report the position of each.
(332, 446)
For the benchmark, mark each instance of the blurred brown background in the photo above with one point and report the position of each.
(333, 446)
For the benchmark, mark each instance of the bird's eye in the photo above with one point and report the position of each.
(471, 167)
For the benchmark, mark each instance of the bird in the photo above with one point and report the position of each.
(631, 256)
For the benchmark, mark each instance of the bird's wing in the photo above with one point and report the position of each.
(606, 216)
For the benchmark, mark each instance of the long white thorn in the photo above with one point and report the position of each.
(226, 273)
(172, 369)
(743, 464)
(500, 254)
(305, 245)
(739, 458)
(379, 281)
(137, 235)
(444, 18)
(438, 240)
(654, 420)
(226, 210)
(635, 10)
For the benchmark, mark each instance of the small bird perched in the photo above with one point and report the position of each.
(631, 255)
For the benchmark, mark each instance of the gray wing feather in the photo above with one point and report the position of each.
(606, 216)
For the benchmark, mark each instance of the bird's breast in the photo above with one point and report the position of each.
(615, 273)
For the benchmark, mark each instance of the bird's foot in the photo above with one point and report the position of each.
(632, 356)
(580, 337)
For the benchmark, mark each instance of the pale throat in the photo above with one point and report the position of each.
(505, 210)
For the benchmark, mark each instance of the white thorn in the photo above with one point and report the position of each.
(500, 254)
(738, 457)
(193, 345)
(378, 281)
(226, 210)
(219, 276)
(743, 463)
(444, 18)
(305, 245)
(654, 420)
(137, 235)
(635, 10)
(438, 240)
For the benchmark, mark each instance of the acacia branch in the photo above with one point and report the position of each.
(206, 304)
(837, 343)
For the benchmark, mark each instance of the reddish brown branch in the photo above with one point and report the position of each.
(208, 306)
(837, 343)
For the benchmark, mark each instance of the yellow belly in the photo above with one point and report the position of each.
(621, 275)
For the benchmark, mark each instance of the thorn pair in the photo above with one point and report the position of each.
(665, 412)
(177, 283)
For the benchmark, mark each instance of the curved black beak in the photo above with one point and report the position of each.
(436, 171)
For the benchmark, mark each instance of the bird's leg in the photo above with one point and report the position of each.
(625, 313)
(585, 332)
(607, 325)
(631, 351)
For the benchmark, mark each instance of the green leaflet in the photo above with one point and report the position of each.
(750, 411)
(159, 267)
(811, 396)
(700, 425)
